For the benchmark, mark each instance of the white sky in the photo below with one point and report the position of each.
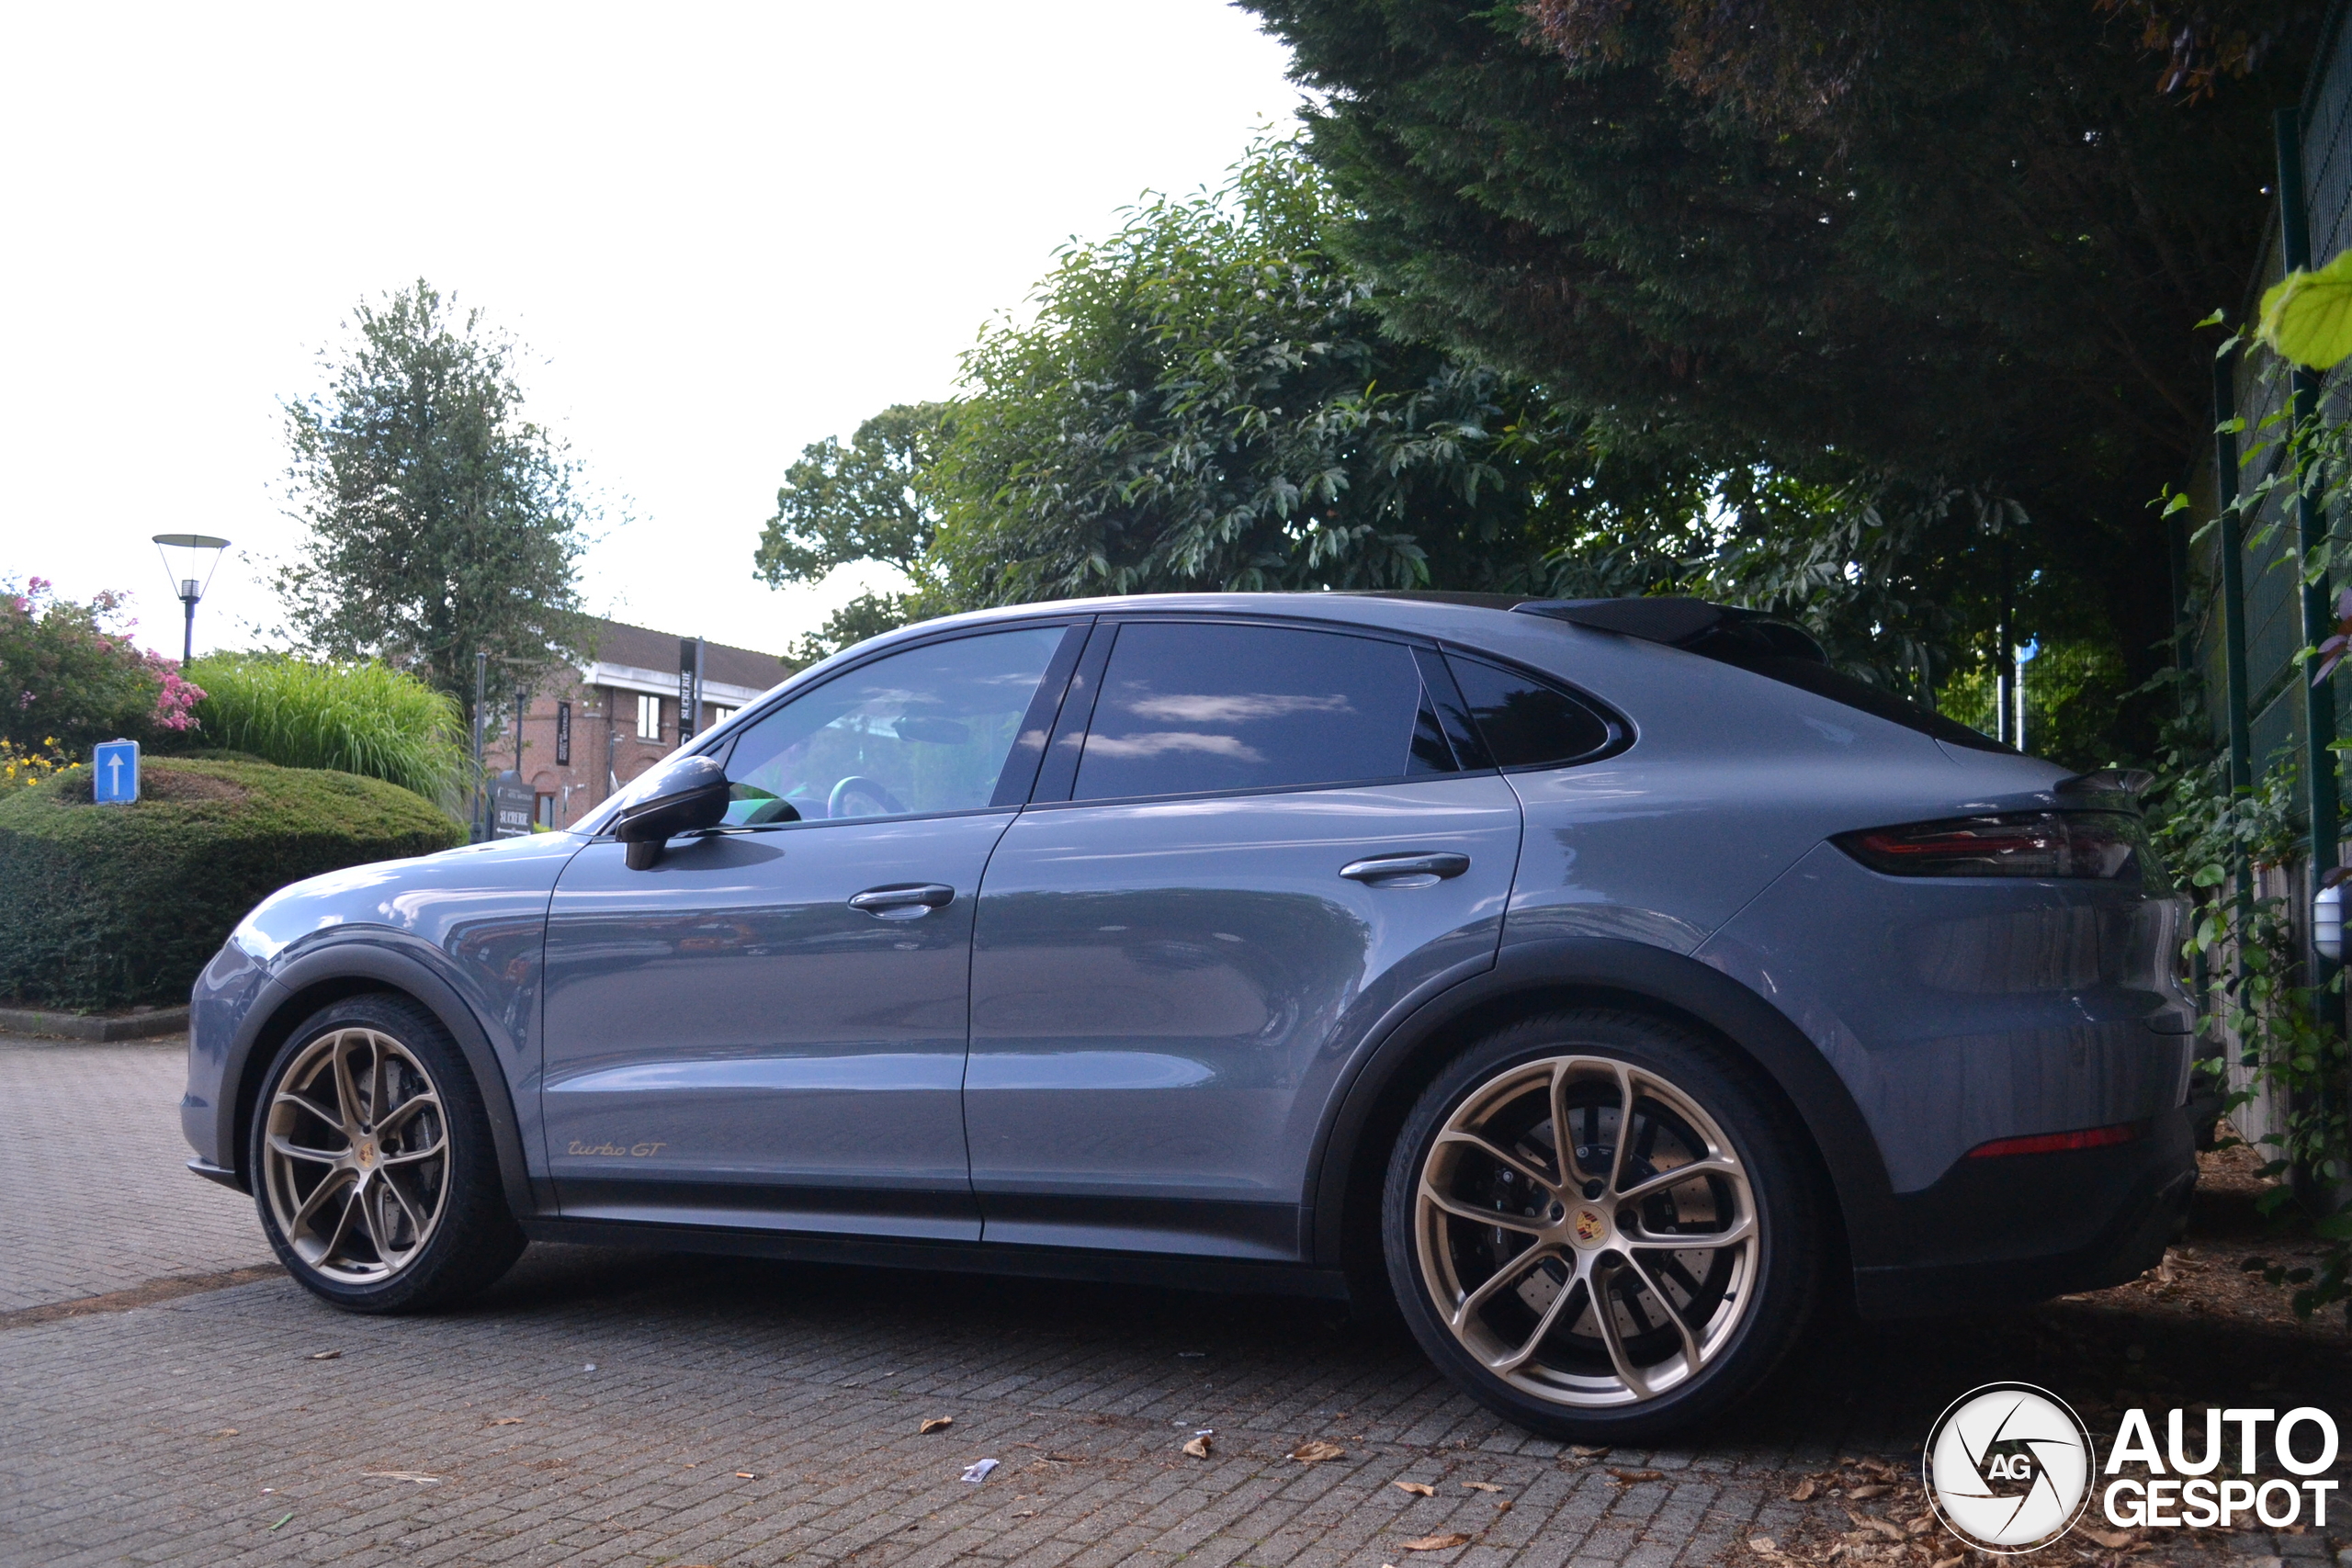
(724, 231)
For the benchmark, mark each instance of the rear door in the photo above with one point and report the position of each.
(1263, 839)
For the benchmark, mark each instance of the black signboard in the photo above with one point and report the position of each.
(563, 735)
(511, 801)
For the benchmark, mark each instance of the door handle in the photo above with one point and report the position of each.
(903, 901)
(1394, 870)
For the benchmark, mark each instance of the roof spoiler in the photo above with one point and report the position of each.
(1718, 631)
(2131, 783)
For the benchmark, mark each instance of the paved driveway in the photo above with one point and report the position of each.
(646, 1409)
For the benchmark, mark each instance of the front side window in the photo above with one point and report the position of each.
(918, 732)
(1188, 707)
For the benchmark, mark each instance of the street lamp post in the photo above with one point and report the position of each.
(189, 561)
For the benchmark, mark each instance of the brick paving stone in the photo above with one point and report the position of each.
(111, 1425)
(74, 1223)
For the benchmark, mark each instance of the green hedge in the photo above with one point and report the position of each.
(107, 906)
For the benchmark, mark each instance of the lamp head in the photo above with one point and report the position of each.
(189, 561)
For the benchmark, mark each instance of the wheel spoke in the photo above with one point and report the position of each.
(281, 1145)
(1462, 1211)
(1625, 1124)
(1739, 1230)
(416, 1220)
(333, 1240)
(1521, 1357)
(410, 1156)
(329, 1185)
(1512, 1270)
(1715, 1166)
(1503, 1157)
(1604, 1315)
(308, 1106)
(393, 1120)
(375, 1081)
(1691, 1358)
(1564, 1139)
(346, 1092)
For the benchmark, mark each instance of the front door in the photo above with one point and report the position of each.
(1267, 841)
(768, 1027)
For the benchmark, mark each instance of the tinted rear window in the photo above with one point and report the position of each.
(1524, 722)
(1188, 707)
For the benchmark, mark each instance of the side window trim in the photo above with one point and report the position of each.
(1022, 763)
(1452, 712)
(1057, 773)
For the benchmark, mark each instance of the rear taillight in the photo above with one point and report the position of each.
(2060, 1142)
(2103, 844)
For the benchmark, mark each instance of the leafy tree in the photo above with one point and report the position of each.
(1950, 246)
(872, 500)
(441, 522)
(1206, 400)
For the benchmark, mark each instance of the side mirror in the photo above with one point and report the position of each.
(693, 794)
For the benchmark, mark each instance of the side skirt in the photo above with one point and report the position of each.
(1047, 1263)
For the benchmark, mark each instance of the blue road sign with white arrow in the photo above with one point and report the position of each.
(114, 768)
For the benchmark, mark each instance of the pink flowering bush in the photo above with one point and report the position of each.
(70, 675)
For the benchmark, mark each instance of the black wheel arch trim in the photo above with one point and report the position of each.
(1593, 970)
(375, 967)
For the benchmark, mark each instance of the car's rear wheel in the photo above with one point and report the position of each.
(374, 1172)
(1623, 1277)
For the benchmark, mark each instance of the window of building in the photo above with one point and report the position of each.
(648, 718)
(1188, 707)
(543, 813)
(720, 715)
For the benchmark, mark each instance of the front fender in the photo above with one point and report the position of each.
(371, 961)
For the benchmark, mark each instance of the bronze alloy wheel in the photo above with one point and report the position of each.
(356, 1156)
(1586, 1232)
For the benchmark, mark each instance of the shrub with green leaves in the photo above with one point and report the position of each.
(108, 906)
(357, 718)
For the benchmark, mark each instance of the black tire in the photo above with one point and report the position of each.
(470, 1236)
(1590, 1242)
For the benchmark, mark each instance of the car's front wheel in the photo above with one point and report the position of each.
(374, 1172)
(1601, 1227)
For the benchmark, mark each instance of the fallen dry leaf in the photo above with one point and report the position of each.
(1438, 1542)
(1763, 1545)
(1482, 1486)
(1314, 1451)
(323, 1356)
(1582, 1452)
(745, 1475)
(1502, 1506)
(1199, 1447)
(1887, 1528)
(1875, 1489)
(1630, 1476)
(1946, 1562)
(1415, 1487)
(936, 1424)
(508, 1421)
(2114, 1541)
(1806, 1489)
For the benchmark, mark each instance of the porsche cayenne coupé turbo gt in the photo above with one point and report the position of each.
(1607, 981)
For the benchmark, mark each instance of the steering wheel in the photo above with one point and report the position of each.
(859, 783)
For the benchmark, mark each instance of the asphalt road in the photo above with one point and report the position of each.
(651, 1409)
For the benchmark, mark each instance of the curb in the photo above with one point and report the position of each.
(84, 1026)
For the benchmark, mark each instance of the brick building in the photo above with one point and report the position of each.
(619, 714)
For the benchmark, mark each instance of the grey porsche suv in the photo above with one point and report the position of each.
(1607, 982)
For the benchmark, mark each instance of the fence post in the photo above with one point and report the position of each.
(2311, 533)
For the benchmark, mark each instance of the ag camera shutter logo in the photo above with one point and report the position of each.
(2009, 1467)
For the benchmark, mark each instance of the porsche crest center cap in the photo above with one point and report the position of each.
(2008, 1467)
(1590, 1226)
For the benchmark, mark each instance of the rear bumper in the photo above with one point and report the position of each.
(2023, 1228)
